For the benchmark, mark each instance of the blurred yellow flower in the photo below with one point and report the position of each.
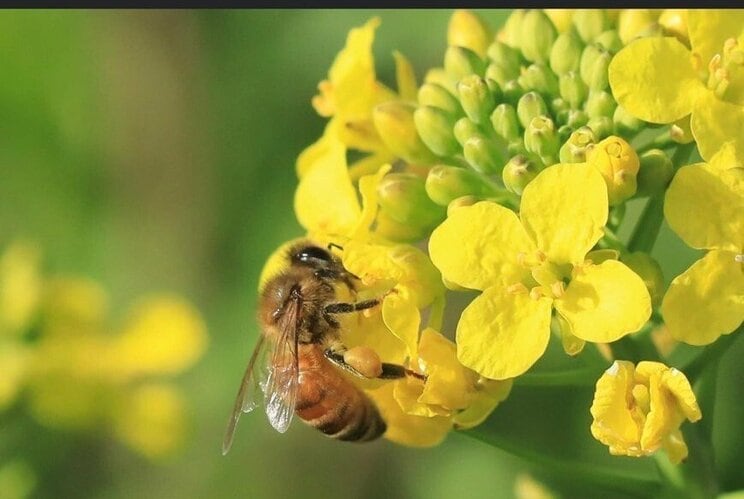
(75, 374)
(704, 206)
(20, 286)
(660, 80)
(638, 410)
(150, 419)
(529, 265)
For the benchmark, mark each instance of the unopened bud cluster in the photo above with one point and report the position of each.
(502, 108)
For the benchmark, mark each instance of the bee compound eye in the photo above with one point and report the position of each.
(310, 254)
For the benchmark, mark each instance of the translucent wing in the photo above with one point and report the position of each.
(248, 393)
(280, 393)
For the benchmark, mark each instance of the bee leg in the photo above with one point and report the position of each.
(396, 371)
(335, 354)
(346, 308)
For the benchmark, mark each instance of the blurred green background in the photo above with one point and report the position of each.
(154, 151)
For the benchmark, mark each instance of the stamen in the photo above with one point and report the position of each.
(517, 289)
(739, 258)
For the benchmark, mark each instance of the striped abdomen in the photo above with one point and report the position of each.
(333, 404)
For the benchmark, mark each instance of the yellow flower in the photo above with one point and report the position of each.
(419, 413)
(164, 335)
(530, 265)
(20, 286)
(660, 80)
(638, 410)
(704, 205)
(151, 420)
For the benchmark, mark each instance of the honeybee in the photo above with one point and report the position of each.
(297, 360)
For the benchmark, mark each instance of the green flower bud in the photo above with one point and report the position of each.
(626, 124)
(602, 126)
(610, 41)
(505, 122)
(576, 118)
(461, 202)
(394, 122)
(476, 98)
(393, 230)
(506, 57)
(655, 173)
(513, 91)
(573, 89)
(590, 23)
(434, 94)
(512, 30)
(519, 172)
(484, 154)
(541, 138)
(540, 78)
(600, 103)
(618, 163)
(500, 74)
(558, 105)
(460, 62)
(649, 270)
(516, 147)
(403, 197)
(564, 132)
(593, 67)
(574, 149)
(537, 35)
(435, 126)
(445, 183)
(464, 129)
(440, 77)
(530, 106)
(468, 30)
(495, 88)
(565, 55)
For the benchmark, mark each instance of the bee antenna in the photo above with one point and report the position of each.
(334, 245)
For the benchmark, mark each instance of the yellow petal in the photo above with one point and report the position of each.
(313, 153)
(402, 428)
(368, 190)
(605, 302)
(654, 79)
(165, 334)
(677, 384)
(501, 335)
(448, 384)
(327, 179)
(564, 210)
(727, 157)
(675, 447)
(707, 300)
(407, 393)
(369, 330)
(352, 74)
(704, 206)
(478, 246)
(709, 28)
(489, 395)
(614, 424)
(403, 319)
(661, 419)
(715, 122)
(405, 77)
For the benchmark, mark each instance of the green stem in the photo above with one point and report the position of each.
(585, 376)
(647, 229)
(710, 355)
(615, 479)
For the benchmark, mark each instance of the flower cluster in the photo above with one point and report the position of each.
(507, 172)
(60, 358)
